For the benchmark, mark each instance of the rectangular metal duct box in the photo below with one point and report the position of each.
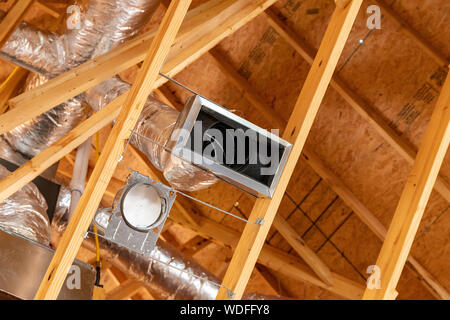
(23, 264)
(234, 149)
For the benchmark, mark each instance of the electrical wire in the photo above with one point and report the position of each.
(97, 243)
(3, 108)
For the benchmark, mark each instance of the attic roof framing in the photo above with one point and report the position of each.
(252, 239)
(296, 132)
(86, 208)
(414, 198)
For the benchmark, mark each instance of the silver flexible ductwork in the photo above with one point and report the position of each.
(185, 279)
(167, 273)
(25, 213)
(152, 131)
(35, 135)
(104, 25)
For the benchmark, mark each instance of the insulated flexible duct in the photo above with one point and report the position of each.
(167, 273)
(104, 25)
(152, 131)
(41, 132)
(183, 279)
(25, 213)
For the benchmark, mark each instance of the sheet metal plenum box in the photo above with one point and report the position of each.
(23, 263)
(246, 176)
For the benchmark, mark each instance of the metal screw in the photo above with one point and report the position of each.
(260, 221)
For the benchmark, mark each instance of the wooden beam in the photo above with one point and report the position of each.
(297, 130)
(93, 72)
(273, 258)
(414, 198)
(47, 9)
(164, 94)
(194, 245)
(273, 281)
(303, 250)
(368, 218)
(82, 217)
(418, 39)
(367, 112)
(206, 26)
(341, 3)
(291, 236)
(12, 19)
(34, 167)
(10, 86)
(243, 12)
(336, 184)
(125, 290)
(247, 91)
(365, 215)
(270, 257)
(403, 147)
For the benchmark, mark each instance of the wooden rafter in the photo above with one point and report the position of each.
(247, 91)
(194, 245)
(47, 9)
(299, 125)
(125, 290)
(273, 281)
(10, 87)
(414, 198)
(82, 217)
(228, 15)
(273, 258)
(341, 3)
(367, 217)
(305, 252)
(12, 19)
(337, 185)
(52, 154)
(26, 106)
(367, 112)
(418, 39)
(289, 234)
(270, 257)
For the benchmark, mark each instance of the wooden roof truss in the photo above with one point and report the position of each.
(199, 34)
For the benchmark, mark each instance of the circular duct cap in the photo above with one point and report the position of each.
(141, 206)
